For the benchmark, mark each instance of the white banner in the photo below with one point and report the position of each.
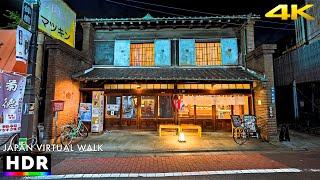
(23, 38)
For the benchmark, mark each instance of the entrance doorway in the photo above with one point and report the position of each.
(132, 111)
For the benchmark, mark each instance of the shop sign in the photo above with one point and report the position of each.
(273, 96)
(250, 122)
(97, 109)
(57, 20)
(23, 38)
(12, 87)
(85, 110)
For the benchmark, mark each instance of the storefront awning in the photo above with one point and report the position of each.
(218, 74)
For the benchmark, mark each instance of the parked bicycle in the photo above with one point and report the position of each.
(13, 142)
(241, 130)
(71, 132)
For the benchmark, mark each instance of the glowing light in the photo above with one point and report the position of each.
(181, 137)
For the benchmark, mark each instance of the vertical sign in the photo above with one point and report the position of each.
(97, 111)
(12, 88)
(27, 12)
(23, 38)
(273, 95)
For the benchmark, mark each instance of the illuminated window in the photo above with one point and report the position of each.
(142, 54)
(147, 106)
(208, 54)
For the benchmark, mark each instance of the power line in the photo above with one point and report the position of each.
(128, 5)
(201, 12)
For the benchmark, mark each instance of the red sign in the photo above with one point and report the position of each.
(57, 105)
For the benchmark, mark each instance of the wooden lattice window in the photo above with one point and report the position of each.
(142, 54)
(208, 54)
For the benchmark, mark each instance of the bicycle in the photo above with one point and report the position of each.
(14, 142)
(242, 131)
(70, 132)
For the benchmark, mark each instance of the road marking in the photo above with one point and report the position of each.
(175, 174)
(314, 170)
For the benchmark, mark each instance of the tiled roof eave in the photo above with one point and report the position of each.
(218, 74)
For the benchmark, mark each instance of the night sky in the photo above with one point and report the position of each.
(121, 8)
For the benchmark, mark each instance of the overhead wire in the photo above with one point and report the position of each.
(200, 12)
(258, 26)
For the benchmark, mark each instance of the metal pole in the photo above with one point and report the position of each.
(29, 97)
(55, 127)
(295, 100)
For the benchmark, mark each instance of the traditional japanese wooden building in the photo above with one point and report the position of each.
(142, 64)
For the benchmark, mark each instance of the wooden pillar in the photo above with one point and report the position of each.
(121, 109)
(242, 109)
(214, 117)
(195, 114)
(250, 105)
(156, 110)
(139, 112)
(232, 108)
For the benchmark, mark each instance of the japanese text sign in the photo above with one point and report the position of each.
(58, 20)
(12, 88)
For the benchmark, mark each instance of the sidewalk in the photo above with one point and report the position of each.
(149, 142)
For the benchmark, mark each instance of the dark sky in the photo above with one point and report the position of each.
(121, 8)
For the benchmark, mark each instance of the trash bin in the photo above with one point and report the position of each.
(40, 133)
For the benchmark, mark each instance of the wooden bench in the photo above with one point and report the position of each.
(168, 126)
(191, 126)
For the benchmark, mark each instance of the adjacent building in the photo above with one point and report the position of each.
(297, 74)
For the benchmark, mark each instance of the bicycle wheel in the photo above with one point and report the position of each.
(32, 142)
(66, 137)
(240, 135)
(83, 130)
(8, 140)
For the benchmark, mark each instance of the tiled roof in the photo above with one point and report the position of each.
(219, 73)
(149, 22)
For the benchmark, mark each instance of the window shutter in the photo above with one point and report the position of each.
(229, 51)
(187, 54)
(162, 52)
(122, 53)
(104, 52)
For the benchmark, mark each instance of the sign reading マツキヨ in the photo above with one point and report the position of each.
(57, 20)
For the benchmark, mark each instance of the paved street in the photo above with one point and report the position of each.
(216, 165)
(287, 160)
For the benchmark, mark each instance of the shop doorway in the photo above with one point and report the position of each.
(132, 111)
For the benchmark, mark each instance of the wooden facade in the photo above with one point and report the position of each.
(121, 61)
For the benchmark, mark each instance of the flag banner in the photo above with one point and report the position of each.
(12, 87)
(23, 38)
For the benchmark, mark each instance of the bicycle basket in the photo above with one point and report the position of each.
(236, 120)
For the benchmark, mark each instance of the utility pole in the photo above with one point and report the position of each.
(29, 96)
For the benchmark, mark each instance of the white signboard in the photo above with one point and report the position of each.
(23, 38)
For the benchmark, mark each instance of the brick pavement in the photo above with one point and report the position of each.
(152, 164)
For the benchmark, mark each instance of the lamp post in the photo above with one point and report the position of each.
(29, 96)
